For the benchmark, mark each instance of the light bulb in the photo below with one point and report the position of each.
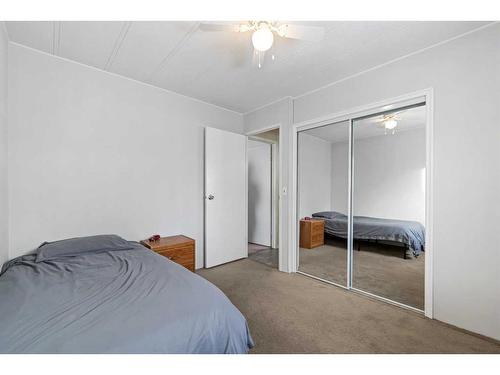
(390, 124)
(263, 38)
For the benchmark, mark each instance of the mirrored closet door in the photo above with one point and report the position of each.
(361, 203)
(323, 179)
(389, 161)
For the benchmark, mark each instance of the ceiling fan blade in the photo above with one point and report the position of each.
(309, 33)
(219, 26)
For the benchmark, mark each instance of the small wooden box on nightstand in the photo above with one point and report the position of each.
(312, 233)
(179, 249)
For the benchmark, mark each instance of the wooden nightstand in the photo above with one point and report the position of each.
(179, 249)
(312, 233)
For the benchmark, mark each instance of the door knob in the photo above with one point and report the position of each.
(210, 197)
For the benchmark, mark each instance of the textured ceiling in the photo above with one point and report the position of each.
(216, 67)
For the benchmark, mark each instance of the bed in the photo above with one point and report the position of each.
(117, 297)
(410, 234)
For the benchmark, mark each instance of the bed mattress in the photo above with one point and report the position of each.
(409, 233)
(127, 301)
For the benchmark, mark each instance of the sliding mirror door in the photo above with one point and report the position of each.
(323, 186)
(389, 160)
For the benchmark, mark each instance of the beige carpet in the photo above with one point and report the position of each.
(379, 269)
(263, 254)
(291, 313)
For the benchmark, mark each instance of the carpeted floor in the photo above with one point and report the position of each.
(291, 313)
(263, 254)
(379, 269)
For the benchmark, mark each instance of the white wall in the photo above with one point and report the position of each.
(92, 152)
(340, 178)
(465, 76)
(259, 193)
(315, 179)
(4, 224)
(389, 176)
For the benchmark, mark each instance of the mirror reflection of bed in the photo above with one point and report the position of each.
(388, 268)
(388, 193)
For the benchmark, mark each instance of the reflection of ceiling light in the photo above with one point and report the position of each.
(262, 38)
(390, 124)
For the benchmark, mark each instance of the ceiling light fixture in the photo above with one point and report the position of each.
(264, 33)
(262, 38)
(390, 124)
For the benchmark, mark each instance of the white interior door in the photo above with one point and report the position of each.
(225, 197)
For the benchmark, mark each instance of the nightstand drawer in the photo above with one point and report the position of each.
(181, 255)
(317, 228)
(317, 239)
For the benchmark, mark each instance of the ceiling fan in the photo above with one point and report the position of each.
(389, 121)
(263, 33)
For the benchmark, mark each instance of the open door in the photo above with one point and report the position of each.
(225, 197)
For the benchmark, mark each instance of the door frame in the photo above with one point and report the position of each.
(277, 157)
(349, 115)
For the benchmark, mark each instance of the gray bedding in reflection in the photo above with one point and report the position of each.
(122, 301)
(410, 233)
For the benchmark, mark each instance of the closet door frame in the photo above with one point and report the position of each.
(426, 96)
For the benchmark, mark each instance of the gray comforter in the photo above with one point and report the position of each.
(410, 233)
(126, 301)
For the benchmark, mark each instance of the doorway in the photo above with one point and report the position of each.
(363, 201)
(263, 197)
